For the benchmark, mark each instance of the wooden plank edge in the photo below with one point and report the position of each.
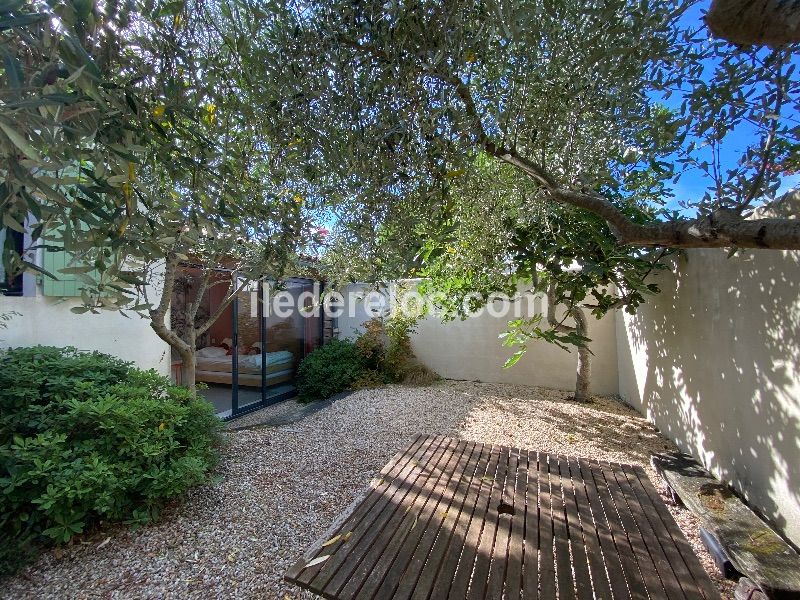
(779, 582)
(342, 517)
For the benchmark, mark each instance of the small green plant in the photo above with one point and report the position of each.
(84, 438)
(386, 346)
(328, 370)
(369, 379)
(372, 344)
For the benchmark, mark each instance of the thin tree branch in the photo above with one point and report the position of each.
(159, 314)
(766, 150)
(223, 305)
(722, 228)
(554, 323)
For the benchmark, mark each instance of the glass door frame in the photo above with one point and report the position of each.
(236, 410)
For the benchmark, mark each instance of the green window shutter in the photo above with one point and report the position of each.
(67, 284)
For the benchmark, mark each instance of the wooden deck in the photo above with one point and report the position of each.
(459, 520)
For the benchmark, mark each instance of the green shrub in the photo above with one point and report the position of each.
(372, 344)
(328, 370)
(86, 437)
(369, 379)
(386, 346)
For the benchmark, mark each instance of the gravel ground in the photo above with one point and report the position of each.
(281, 487)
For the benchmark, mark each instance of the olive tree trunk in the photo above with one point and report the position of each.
(583, 372)
(186, 347)
(584, 369)
(188, 362)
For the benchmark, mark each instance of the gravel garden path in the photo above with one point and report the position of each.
(280, 488)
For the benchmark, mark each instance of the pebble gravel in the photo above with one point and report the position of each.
(279, 488)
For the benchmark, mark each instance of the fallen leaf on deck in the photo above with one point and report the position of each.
(318, 560)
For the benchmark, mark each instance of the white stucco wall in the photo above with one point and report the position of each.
(49, 321)
(471, 350)
(714, 362)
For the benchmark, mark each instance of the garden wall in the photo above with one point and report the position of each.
(471, 350)
(714, 362)
(49, 321)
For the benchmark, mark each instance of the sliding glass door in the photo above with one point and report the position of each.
(275, 325)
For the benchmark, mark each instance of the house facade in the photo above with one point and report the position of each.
(39, 313)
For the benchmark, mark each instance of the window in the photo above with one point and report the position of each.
(10, 240)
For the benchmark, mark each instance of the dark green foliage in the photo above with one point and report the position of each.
(86, 437)
(328, 370)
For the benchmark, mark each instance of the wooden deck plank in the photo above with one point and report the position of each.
(565, 581)
(505, 518)
(403, 518)
(577, 545)
(462, 576)
(411, 555)
(699, 575)
(338, 569)
(591, 536)
(630, 568)
(530, 554)
(488, 535)
(466, 521)
(645, 533)
(659, 535)
(516, 543)
(547, 557)
(452, 500)
(394, 471)
(612, 559)
(448, 540)
(455, 555)
(647, 567)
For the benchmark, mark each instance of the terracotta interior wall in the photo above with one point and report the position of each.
(283, 333)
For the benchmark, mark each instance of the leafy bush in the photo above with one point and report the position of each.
(381, 354)
(86, 437)
(387, 344)
(328, 370)
(369, 379)
(372, 344)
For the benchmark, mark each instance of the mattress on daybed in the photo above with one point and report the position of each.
(276, 361)
(246, 379)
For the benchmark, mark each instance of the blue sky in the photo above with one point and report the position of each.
(694, 183)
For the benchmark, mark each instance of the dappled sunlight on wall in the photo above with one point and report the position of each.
(714, 361)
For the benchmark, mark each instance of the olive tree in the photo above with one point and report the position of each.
(383, 96)
(130, 138)
(498, 237)
(405, 112)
